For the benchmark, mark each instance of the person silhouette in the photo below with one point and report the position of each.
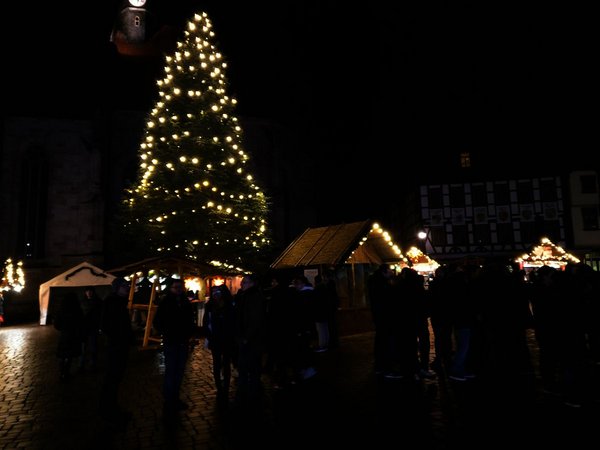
(116, 327)
(175, 322)
(69, 322)
(219, 328)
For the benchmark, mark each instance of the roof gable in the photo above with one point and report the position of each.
(358, 242)
(84, 274)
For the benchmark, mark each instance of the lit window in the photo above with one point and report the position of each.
(465, 160)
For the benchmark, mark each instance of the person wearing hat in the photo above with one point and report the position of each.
(116, 327)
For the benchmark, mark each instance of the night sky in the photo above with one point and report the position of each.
(379, 97)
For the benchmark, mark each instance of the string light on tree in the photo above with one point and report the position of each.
(13, 276)
(194, 194)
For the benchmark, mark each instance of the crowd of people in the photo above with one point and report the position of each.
(275, 329)
(476, 319)
(258, 329)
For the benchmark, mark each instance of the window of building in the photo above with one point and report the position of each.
(481, 234)
(436, 217)
(438, 236)
(33, 203)
(506, 234)
(459, 235)
(479, 194)
(457, 195)
(465, 160)
(528, 233)
(548, 190)
(137, 21)
(589, 185)
(590, 218)
(502, 194)
(435, 197)
(525, 192)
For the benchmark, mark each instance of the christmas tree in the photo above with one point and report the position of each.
(194, 195)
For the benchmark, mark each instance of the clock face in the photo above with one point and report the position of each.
(137, 2)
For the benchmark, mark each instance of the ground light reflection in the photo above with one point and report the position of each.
(14, 341)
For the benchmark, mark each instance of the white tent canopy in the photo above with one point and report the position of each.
(84, 274)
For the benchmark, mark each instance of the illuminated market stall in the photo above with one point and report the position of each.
(546, 254)
(148, 278)
(353, 249)
(422, 263)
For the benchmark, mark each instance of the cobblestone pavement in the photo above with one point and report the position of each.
(343, 406)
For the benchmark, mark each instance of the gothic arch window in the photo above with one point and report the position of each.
(33, 203)
(137, 21)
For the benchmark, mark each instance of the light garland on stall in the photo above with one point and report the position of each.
(547, 254)
(377, 232)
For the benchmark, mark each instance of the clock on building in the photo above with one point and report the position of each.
(137, 2)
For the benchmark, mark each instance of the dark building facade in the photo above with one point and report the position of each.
(52, 196)
(493, 217)
(62, 181)
(584, 203)
(501, 218)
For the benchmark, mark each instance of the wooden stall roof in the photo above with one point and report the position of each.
(338, 244)
(170, 264)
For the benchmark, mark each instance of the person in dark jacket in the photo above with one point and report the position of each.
(91, 307)
(325, 306)
(116, 327)
(69, 321)
(281, 334)
(381, 293)
(250, 306)
(175, 322)
(219, 328)
(303, 325)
